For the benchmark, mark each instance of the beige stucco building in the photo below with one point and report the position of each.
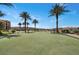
(6, 24)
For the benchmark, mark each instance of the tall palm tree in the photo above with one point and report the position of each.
(35, 22)
(56, 11)
(25, 16)
(19, 25)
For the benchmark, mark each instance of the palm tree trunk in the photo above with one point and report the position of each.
(57, 30)
(27, 28)
(25, 25)
(35, 26)
(20, 27)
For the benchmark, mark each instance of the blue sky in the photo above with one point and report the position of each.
(40, 11)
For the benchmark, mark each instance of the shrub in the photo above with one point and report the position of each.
(13, 31)
(76, 32)
(72, 32)
(66, 31)
(1, 33)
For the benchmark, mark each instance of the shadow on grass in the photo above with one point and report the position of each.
(29, 32)
(8, 36)
(13, 35)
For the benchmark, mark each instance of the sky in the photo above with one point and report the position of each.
(40, 11)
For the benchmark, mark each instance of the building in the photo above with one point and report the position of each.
(5, 24)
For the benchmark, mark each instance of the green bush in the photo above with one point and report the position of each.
(76, 31)
(1, 33)
(13, 31)
(66, 31)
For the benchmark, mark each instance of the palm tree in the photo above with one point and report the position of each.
(35, 22)
(25, 16)
(56, 11)
(6, 4)
(27, 26)
(1, 14)
(19, 25)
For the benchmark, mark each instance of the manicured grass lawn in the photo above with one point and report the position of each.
(39, 43)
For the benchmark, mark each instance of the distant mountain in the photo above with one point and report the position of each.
(30, 28)
(43, 29)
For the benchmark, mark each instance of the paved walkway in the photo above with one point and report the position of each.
(73, 35)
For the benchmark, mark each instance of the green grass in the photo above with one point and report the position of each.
(39, 43)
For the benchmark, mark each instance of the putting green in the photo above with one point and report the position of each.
(39, 43)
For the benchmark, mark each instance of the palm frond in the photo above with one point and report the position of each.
(7, 4)
(19, 24)
(58, 9)
(1, 14)
(25, 15)
(35, 21)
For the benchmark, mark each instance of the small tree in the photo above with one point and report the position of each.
(35, 22)
(19, 26)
